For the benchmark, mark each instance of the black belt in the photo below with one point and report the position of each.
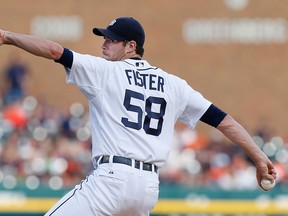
(128, 161)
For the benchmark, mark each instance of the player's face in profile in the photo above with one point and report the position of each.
(113, 50)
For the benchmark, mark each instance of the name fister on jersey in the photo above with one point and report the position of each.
(150, 81)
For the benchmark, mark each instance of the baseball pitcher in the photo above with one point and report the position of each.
(133, 108)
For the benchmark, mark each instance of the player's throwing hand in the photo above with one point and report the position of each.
(265, 170)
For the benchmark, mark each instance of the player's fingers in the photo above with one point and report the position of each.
(273, 173)
(271, 170)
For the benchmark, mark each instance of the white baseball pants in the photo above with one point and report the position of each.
(112, 189)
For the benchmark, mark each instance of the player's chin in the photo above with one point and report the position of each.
(107, 57)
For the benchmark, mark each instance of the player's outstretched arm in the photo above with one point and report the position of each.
(237, 134)
(32, 44)
(2, 35)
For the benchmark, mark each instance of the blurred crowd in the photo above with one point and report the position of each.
(41, 144)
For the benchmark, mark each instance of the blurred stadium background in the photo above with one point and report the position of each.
(233, 51)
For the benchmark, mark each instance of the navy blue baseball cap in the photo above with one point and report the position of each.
(123, 28)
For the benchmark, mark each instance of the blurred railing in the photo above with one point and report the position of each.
(173, 200)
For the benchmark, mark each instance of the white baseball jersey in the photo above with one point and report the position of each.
(134, 106)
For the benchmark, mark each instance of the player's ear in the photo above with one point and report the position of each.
(130, 46)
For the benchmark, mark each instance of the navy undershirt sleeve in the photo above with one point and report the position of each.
(213, 116)
(66, 59)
